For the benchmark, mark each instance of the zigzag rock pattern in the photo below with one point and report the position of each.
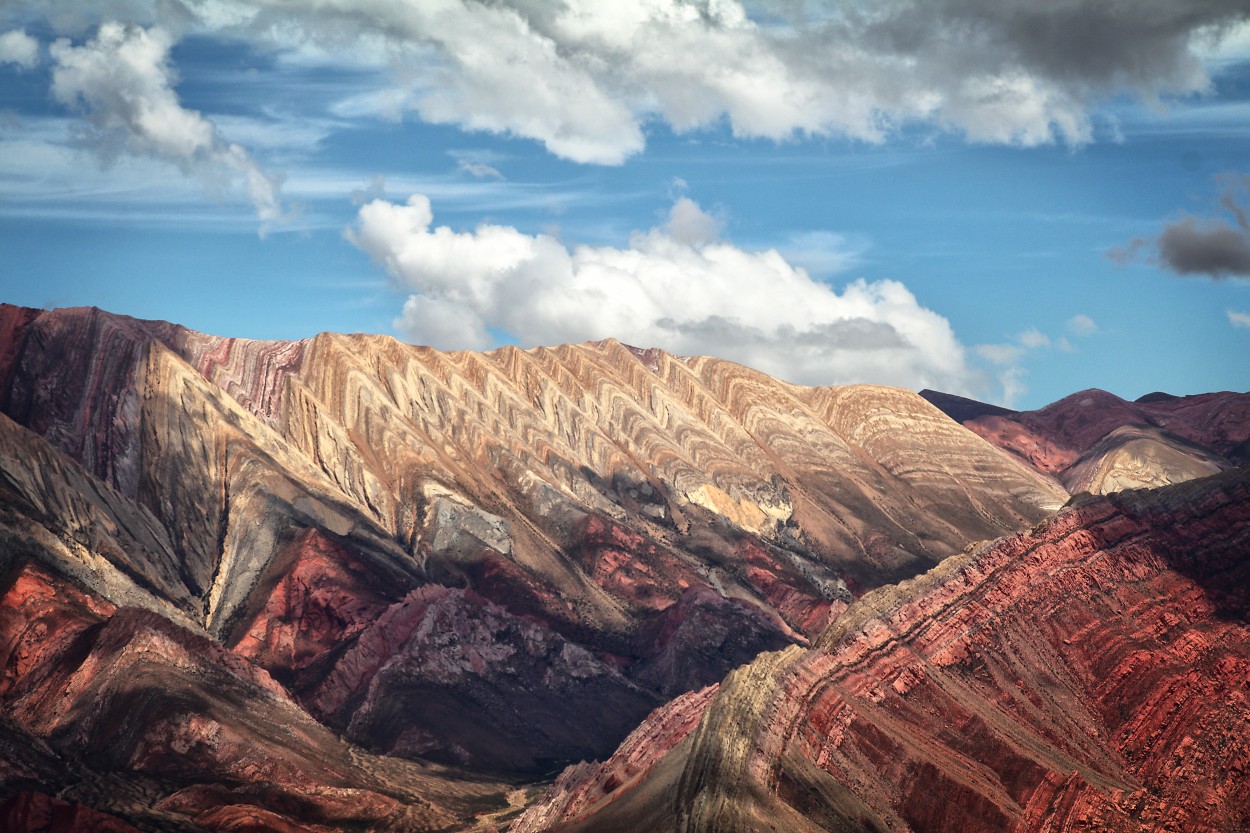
(347, 583)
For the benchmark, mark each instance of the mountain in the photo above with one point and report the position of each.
(350, 584)
(347, 583)
(1087, 675)
(1093, 441)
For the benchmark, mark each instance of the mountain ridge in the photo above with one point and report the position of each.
(454, 572)
(1047, 730)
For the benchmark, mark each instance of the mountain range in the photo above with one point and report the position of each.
(346, 583)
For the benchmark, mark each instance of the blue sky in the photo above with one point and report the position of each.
(920, 194)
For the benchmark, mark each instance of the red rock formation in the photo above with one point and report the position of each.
(280, 496)
(592, 789)
(131, 716)
(447, 676)
(1090, 675)
(224, 561)
(1094, 441)
(322, 597)
(38, 813)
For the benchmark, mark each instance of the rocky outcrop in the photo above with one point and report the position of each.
(593, 789)
(1089, 675)
(1140, 457)
(446, 676)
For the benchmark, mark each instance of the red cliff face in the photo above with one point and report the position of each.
(1090, 675)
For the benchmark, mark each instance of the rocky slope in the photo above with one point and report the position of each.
(670, 518)
(1088, 675)
(1093, 441)
(286, 585)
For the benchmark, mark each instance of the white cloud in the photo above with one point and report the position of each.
(690, 224)
(17, 47)
(1082, 325)
(584, 77)
(479, 170)
(1000, 354)
(1238, 319)
(122, 82)
(478, 163)
(1034, 339)
(822, 253)
(1007, 358)
(677, 286)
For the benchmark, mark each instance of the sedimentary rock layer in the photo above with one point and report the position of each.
(1089, 675)
(669, 517)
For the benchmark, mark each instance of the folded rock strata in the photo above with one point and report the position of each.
(621, 525)
(1088, 675)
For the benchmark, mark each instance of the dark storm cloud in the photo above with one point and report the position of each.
(1191, 245)
(1213, 248)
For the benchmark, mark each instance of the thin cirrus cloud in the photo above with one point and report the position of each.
(122, 83)
(584, 77)
(678, 286)
(1007, 358)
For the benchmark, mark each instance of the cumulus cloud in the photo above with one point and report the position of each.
(678, 286)
(17, 47)
(121, 81)
(1238, 319)
(584, 77)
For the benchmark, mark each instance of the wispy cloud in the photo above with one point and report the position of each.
(121, 81)
(1081, 325)
(1007, 359)
(1238, 319)
(478, 163)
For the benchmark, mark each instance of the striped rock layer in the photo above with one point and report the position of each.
(1088, 675)
(229, 564)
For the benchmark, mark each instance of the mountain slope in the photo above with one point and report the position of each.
(496, 562)
(1093, 441)
(1088, 675)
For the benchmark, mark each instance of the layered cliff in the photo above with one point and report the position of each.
(1088, 675)
(667, 518)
